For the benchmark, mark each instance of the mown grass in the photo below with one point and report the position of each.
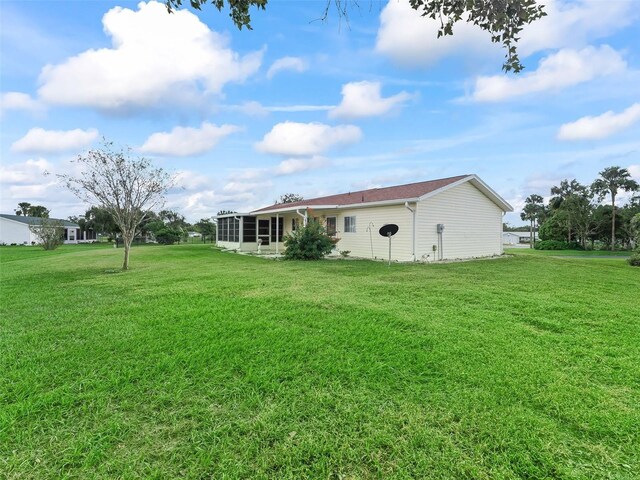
(569, 253)
(202, 364)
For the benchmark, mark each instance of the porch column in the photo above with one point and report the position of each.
(277, 231)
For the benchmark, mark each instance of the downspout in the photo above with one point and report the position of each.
(277, 231)
(413, 232)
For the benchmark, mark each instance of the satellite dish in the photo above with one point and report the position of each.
(388, 230)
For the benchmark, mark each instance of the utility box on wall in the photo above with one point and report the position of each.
(440, 227)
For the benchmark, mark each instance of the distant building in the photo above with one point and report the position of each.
(14, 229)
(517, 238)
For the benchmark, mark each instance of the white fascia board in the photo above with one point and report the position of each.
(480, 185)
(381, 203)
(227, 215)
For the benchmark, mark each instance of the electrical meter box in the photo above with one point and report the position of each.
(440, 228)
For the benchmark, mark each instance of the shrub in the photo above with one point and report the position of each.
(168, 236)
(308, 243)
(634, 260)
(557, 245)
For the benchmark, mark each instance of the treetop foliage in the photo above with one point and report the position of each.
(503, 19)
(290, 198)
(28, 210)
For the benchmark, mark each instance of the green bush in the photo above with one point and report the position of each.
(308, 243)
(557, 245)
(168, 236)
(634, 260)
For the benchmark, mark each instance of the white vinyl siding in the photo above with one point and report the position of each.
(473, 224)
(368, 222)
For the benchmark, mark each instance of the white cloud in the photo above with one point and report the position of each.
(307, 139)
(190, 180)
(155, 59)
(20, 101)
(363, 99)
(24, 173)
(602, 126)
(53, 141)
(555, 72)
(186, 141)
(575, 24)
(251, 108)
(28, 182)
(634, 171)
(298, 165)
(410, 39)
(294, 64)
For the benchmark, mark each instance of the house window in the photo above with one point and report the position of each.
(332, 226)
(350, 224)
(294, 224)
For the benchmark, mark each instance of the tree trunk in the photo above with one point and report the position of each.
(531, 234)
(127, 240)
(613, 222)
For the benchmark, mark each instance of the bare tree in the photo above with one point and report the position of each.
(126, 186)
(49, 232)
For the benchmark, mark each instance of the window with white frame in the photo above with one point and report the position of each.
(350, 224)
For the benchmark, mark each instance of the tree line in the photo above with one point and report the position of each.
(586, 216)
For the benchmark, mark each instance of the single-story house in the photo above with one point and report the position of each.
(14, 229)
(449, 218)
(516, 238)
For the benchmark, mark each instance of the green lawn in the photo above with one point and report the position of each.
(200, 364)
(569, 253)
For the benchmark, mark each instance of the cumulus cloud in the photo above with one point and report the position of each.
(363, 99)
(298, 165)
(24, 173)
(186, 141)
(27, 182)
(155, 58)
(294, 64)
(575, 24)
(38, 140)
(19, 101)
(555, 72)
(307, 139)
(601, 126)
(409, 39)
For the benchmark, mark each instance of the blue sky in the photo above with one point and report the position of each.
(312, 107)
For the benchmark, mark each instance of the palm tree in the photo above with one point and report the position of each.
(533, 211)
(611, 180)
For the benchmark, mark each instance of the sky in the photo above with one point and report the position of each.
(312, 107)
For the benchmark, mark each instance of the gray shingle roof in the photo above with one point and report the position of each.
(36, 220)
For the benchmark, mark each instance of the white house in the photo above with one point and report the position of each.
(14, 229)
(450, 218)
(518, 238)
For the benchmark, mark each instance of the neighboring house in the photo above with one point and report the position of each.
(14, 229)
(517, 238)
(449, 218)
